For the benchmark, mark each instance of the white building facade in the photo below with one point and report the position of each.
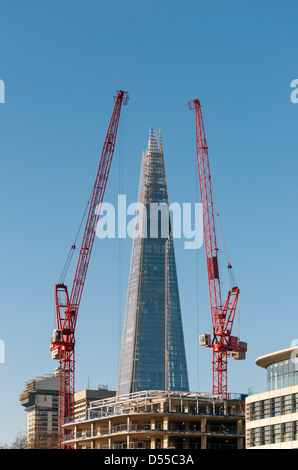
(272, 409)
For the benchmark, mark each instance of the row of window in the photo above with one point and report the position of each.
(277, 433)
(274, 407)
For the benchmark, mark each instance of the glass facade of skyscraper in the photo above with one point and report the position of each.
(153, 352)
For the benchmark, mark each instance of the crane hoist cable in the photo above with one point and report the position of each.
(230, 269)
(73, 246)
(120, 247)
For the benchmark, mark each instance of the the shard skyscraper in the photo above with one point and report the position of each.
(152, 352)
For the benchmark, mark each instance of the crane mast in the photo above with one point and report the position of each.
(222, 315)
(67, 307)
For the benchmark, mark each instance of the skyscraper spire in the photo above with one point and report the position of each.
(152, 353)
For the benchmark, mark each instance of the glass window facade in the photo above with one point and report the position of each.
(274, 434)
(282, 374)
(153, 351)
(277, 406)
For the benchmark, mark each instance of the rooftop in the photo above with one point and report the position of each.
(147, 400)
(277, 356)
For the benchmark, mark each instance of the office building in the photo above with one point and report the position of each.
(272, 408)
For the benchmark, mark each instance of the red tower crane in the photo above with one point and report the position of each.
(67, 307)
(222, 343)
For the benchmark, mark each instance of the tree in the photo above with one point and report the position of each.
(20, 441)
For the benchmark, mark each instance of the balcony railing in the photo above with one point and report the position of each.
(140, 402)
(281, 382)
(93, 415)
(123, 428)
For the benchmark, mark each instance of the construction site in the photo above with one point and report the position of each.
(148, 205)
(152, 406)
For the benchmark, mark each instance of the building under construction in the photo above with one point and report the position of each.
(160, 420)
(40, 399)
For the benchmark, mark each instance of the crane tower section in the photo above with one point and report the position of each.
(222, 315)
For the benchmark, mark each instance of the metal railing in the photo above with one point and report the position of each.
(141, 402)
(89, 416)
(281, 382)
(123, 428)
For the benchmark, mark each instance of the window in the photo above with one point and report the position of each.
(255, 437)
(275, 406)
(286, 432)
(266, 435)
(275, 433)
(264, 409)
(282, 374)
(288, 404)
(254, 411)
(295, 431)
(295, 403)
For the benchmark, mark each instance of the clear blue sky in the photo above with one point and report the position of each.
(62, 63)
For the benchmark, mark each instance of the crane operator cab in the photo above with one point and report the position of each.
(57, 338)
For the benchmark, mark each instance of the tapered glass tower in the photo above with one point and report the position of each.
(152, 352)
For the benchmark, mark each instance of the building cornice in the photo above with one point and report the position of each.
(277, 356)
